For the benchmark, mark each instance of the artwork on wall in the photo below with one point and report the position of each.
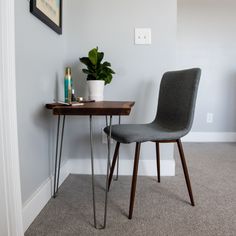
(48, 11)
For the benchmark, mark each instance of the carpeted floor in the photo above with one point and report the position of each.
(160, 208)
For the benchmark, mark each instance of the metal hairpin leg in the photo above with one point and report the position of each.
(107, 176)
(92, 168)
(118, 159)
(108, 162)
(55, 170)
(106, 121)
(58, 165)
(107, 143)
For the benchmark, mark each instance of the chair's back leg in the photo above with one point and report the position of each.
(134, 179)
(116, 153)
(181, 152)
(158, 162)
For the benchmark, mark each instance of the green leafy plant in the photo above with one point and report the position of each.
(96, 70)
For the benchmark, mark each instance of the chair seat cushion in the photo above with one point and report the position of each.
(129, 133)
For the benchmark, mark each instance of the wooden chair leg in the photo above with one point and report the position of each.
(181, 152)
(134, 179)
(116, 153)
(158, 162)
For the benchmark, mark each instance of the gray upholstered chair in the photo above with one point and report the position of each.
(176, 104)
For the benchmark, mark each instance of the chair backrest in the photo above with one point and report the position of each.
(177, 98)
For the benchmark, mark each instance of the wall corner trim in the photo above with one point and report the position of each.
(38, 200)
(10, 205)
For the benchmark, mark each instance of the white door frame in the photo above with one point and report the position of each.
(10, 189)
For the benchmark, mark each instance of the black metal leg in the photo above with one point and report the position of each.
(108, 167)
(55, 170)
(92, 167)
(59, 163)
(107, 142)
(118, 160)
(107, 176)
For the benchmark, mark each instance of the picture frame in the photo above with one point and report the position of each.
(49, 12)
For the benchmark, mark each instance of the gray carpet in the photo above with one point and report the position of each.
(160, 209)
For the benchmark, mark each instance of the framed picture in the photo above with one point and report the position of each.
(49, 12)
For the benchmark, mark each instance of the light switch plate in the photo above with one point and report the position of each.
(143, 36)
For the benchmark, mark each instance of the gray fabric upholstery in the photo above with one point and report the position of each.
(175, 111)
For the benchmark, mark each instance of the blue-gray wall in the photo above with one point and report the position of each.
(110, 26)
(41, 56)
(39, 71)
(206, 38)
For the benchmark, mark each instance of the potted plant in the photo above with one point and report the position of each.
(98, 73)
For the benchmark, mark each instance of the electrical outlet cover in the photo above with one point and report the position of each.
(143, 36)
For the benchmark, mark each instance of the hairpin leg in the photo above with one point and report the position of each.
(59, 163)
(60, 136)
(92, 168)
(55, 170)
(118, 159)
(107, 142)
(107, 182)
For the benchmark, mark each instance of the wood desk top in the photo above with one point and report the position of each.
(93, 108)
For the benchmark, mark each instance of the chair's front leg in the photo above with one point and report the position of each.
(187, 179)
(118, 158)
(134, 179)
(116, 154)
(158, 161)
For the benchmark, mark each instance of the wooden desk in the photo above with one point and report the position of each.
(104, 108)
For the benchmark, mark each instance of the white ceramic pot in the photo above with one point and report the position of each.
(95, 89)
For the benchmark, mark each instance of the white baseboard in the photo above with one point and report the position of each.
(146, 167)
(210, 137)
(37, 201)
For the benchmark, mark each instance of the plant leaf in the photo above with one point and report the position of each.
(108, 79)
(88, 72)
(85, 60)
(106, 63)
(93, 56)
(108, 70)
(100, 57)
(95, 69)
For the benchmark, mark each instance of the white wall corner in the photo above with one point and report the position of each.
(10, 202)
(38, 200)
(210, 137)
